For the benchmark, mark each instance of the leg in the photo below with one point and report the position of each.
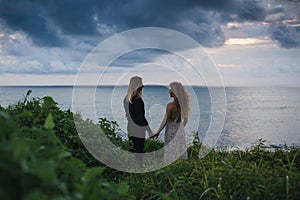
(138, 148)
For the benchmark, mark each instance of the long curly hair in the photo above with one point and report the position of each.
(133, 88)
(182, 97)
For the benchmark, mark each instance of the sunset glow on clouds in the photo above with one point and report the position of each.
(244, 41)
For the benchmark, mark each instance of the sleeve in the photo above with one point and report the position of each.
(137, 112)
(126, 107)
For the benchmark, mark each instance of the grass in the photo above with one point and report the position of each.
(42, 157)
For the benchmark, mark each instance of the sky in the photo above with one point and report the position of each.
(250, 42)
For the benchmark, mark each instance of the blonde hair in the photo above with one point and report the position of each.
(182, 97)
(134, 84)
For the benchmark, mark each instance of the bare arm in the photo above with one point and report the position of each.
(163, 124)
(150, 132)
(165, 120)
(185, 121)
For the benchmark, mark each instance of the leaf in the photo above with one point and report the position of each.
(48, 102)
(4, 115)
(91, 174)
(24, 114)
(45, 169)
(28, 92)
(35, 194)
(49, 123)
(20, 148)
(123, 188)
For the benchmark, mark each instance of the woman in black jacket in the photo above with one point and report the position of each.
(135, 114)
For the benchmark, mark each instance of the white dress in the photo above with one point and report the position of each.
(175, 149)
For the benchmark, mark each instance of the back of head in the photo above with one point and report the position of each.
(182, 97)
(135, 83)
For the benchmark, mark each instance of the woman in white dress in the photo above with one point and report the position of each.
(174, 121)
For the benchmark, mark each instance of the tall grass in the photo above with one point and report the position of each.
(42, 157)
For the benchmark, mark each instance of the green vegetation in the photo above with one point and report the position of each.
(42, 157)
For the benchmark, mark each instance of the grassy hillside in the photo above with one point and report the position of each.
(42, 157)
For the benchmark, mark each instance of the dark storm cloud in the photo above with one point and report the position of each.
(47, 21)
(28, 17)
(276, 10)
(241, 11)
(287, 36)
(75, 17)
(285, 23)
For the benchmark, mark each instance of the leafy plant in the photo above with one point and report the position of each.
(42, 157)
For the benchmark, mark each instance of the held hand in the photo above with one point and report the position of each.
(151, 135)
(155, 136)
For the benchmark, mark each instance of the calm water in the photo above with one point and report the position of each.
(271, 113)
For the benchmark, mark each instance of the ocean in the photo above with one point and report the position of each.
(252, 113)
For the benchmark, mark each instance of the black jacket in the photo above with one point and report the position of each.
(135, 111)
